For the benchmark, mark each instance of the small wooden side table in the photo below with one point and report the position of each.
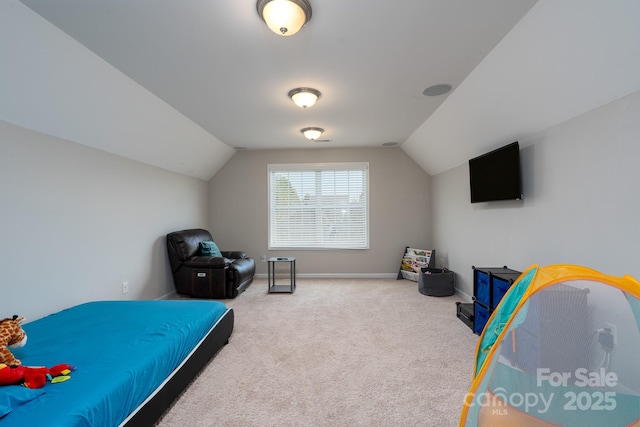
(275, 288)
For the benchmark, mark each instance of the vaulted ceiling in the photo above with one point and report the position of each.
(516, 67)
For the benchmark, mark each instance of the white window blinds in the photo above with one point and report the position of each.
(323, 206)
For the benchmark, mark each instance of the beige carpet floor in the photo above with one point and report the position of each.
(347, 352)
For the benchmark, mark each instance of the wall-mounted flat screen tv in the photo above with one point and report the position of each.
(496, 175)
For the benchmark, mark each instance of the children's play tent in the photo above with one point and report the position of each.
(561, 349)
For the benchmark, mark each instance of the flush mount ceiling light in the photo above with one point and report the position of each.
(312, 133)
(284, 17)
(304, 97)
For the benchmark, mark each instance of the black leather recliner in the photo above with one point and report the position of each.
(202, 276)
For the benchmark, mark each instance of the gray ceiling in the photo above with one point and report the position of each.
(178, 84)
(217, 63)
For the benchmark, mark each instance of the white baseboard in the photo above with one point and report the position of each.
(464, 295)
(339, 276)
(169, 295)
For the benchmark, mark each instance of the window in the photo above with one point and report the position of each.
(319, 206)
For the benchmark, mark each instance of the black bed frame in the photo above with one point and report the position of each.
(156, 405)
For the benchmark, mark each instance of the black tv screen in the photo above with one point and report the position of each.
(496, 175)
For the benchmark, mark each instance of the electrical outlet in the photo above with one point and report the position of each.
(263, 258)
(614, 331)
(125, 287)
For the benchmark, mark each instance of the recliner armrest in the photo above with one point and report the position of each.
(234, 254)
(206, 262)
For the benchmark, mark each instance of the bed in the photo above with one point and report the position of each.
(132, 359)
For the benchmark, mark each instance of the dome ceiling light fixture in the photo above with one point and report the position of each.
(284, 17)
(312, 133)
(304, 97)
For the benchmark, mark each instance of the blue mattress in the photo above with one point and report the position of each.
(123, 350)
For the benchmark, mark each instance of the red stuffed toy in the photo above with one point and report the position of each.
(32, 377)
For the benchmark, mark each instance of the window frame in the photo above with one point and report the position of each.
(320, 243)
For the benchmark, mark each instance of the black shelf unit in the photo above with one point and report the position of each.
(464, 312)
(490, 284)
(555, 316)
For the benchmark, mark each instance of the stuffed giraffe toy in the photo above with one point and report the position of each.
(11, 335)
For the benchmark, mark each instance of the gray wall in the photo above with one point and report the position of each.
(581, 201)
(399, 210)
(77, 222)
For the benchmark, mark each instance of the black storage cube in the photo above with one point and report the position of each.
(484, 283)
(464, 312)
(436, 282)
(501, 282)
(482, 287)
(481, 315)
